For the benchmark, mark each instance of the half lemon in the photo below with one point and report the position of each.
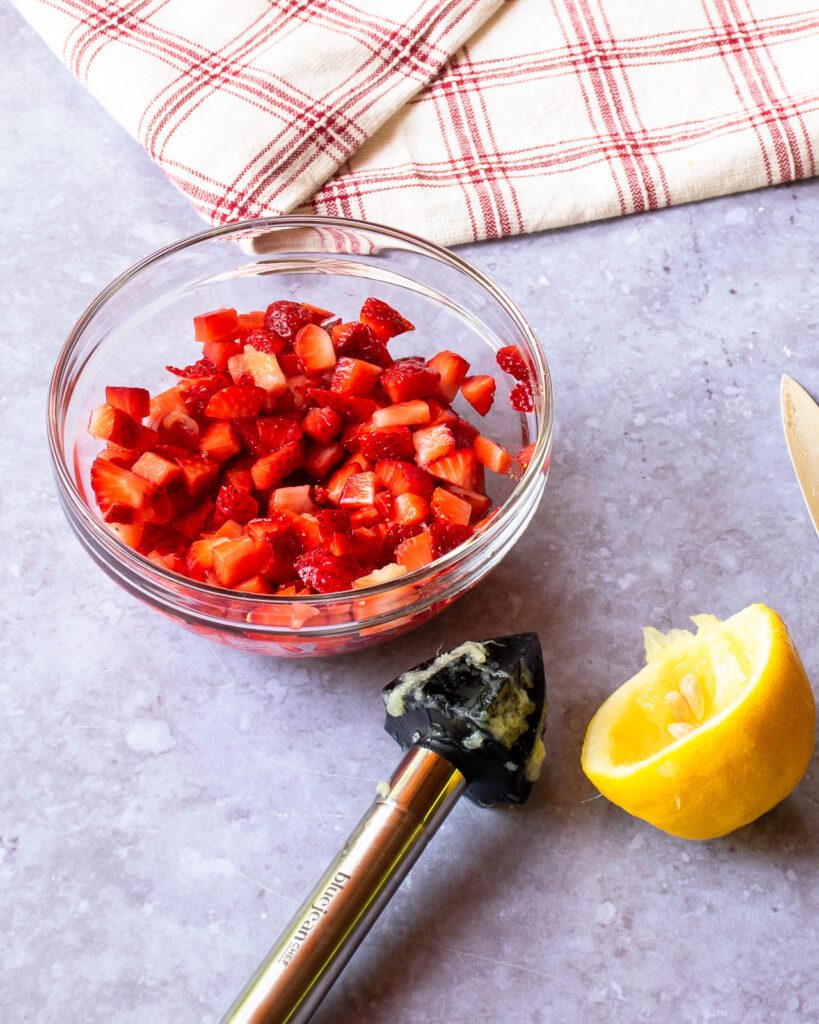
(712, 733)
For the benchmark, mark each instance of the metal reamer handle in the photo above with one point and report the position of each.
(326, 930)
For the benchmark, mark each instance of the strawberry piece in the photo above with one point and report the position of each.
(318, 314)
(120, 494)
(194, 522)
(306, 529)
(491, 455)
(237, 560)
(327, 573)
(219, 353)
(331, 521)
(135, 402)
(315, 351)
(179, 430)
(409, 413)
(277, 431)
(364, 544)
(359, 490)
(510, 360)
(199, 474)
(237, 402)
(287, 318)
(253, 321)
(367, 516)
(120, 456)
(458, 468)
(345, 405)
(282, 550)
(386, 574)
(387, 443)
(409, 378)
(296, 500)
(323, 425)
(271, 469)
(525, 455)
(433, 443)
(264, 371)
(218, 326)
(447, 536)
(409, 509)
(165, 402)
(255, 585)
(384, 321)
(450, 508)
(128, 533)
(264, 341)
(338, 480)
(452, 369)
(463, 432)
(383, 504)
(321, 458)
(415, 552)
(219, 442)
(234, 503)
(479, 392)
(158, 470)
(247, 431)
(521, 398)
(400, 477)
(480, 502)
(269, 525)
(356, 340)
(197, 392)
(109, 424)
(201, 368)
(355, 377)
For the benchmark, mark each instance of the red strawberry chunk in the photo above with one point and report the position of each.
(218, 326)
(399, 477)
(255, 585)
(236, 504)
(161, 472)
(277, 431)
(219, 442)
(384, 321)
(450, 508)
(409, 509)
(120, 494)
(219, 353)
(237, 560)
(452, 369)
(314, 348)
(349, 406)
(521, 398)
(323, 425)
(355, 377)
(318, 314)
(415, 552)
(194, 522)
(287, 318)
(492, 455)
(447, 536)
(479, 392)
(407, 413)
(331, 521)
(237, 402)
(279, 562)
(197, 392)
(458, 468)
(359, 490)
(325, 572)
(136, 402)
(273, 468)
(409, 378)
(386, 443)
(199, 474)
(321, 458)
(264, 371)
(433, 443)
(295, 500)
(109, 424)
(356, 340)
(525, 455)
(480, 502)
(201, 368)
(264, 341)
(253, 321)
(510, 360)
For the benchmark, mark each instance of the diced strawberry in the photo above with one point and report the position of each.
(282, 550)
(384, 321)
(367, 545)
(345, 405)
(321, 458)
(337, 482)
(452, 369)
(410, 413)
(287, 318)
(291, 499)
(450, 508)
(219, 442)
(367, 516)
(273, 468)
(386, 574)
(332, 521)
(318, 314)
(359, 490)
(525, 455)
(120, 456)
(277, 431)
(386, 443)
(291, 366)
(408, 509)
(480, 502)
(136, 402)
(521, 397)
(463, 432)
(128, 533)
(165, 402)
(199, 559)
(197, 392)
(458, 468)
(194, 522)
(220, 325)
(109, 424)
(433, 443)
(492, 455)
(383, 504)
(237, 402)
(253, 321)
(355, 377)
(325, 572)
(268, 525)
(219, 353)
(255, 585)
(510, 360)
(306, 529)
(201, 368)
(159, 471)
(314, 348)
(234, 503)
(400, 477)
(479, 392)
(354, 339)
(409, 378)
(179, 429)
(199, 474)
(447, 536)
(323, 425)
(120, 494)
(415, 552)
(264, 370)
(264, 341)
(237, 560)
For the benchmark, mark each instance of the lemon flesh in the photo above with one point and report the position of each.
(712, 733)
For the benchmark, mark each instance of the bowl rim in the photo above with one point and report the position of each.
(85, 515)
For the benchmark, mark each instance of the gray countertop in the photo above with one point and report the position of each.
(165, 803)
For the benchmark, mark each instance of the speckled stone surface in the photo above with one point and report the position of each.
(165, 803)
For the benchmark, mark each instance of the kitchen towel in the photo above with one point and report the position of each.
(455, 119)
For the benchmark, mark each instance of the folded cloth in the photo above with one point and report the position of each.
(553, 112)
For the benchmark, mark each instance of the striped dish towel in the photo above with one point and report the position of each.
(455, 119)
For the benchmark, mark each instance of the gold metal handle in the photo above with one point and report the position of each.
(326, 930)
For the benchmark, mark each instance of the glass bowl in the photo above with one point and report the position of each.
(142, 321)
